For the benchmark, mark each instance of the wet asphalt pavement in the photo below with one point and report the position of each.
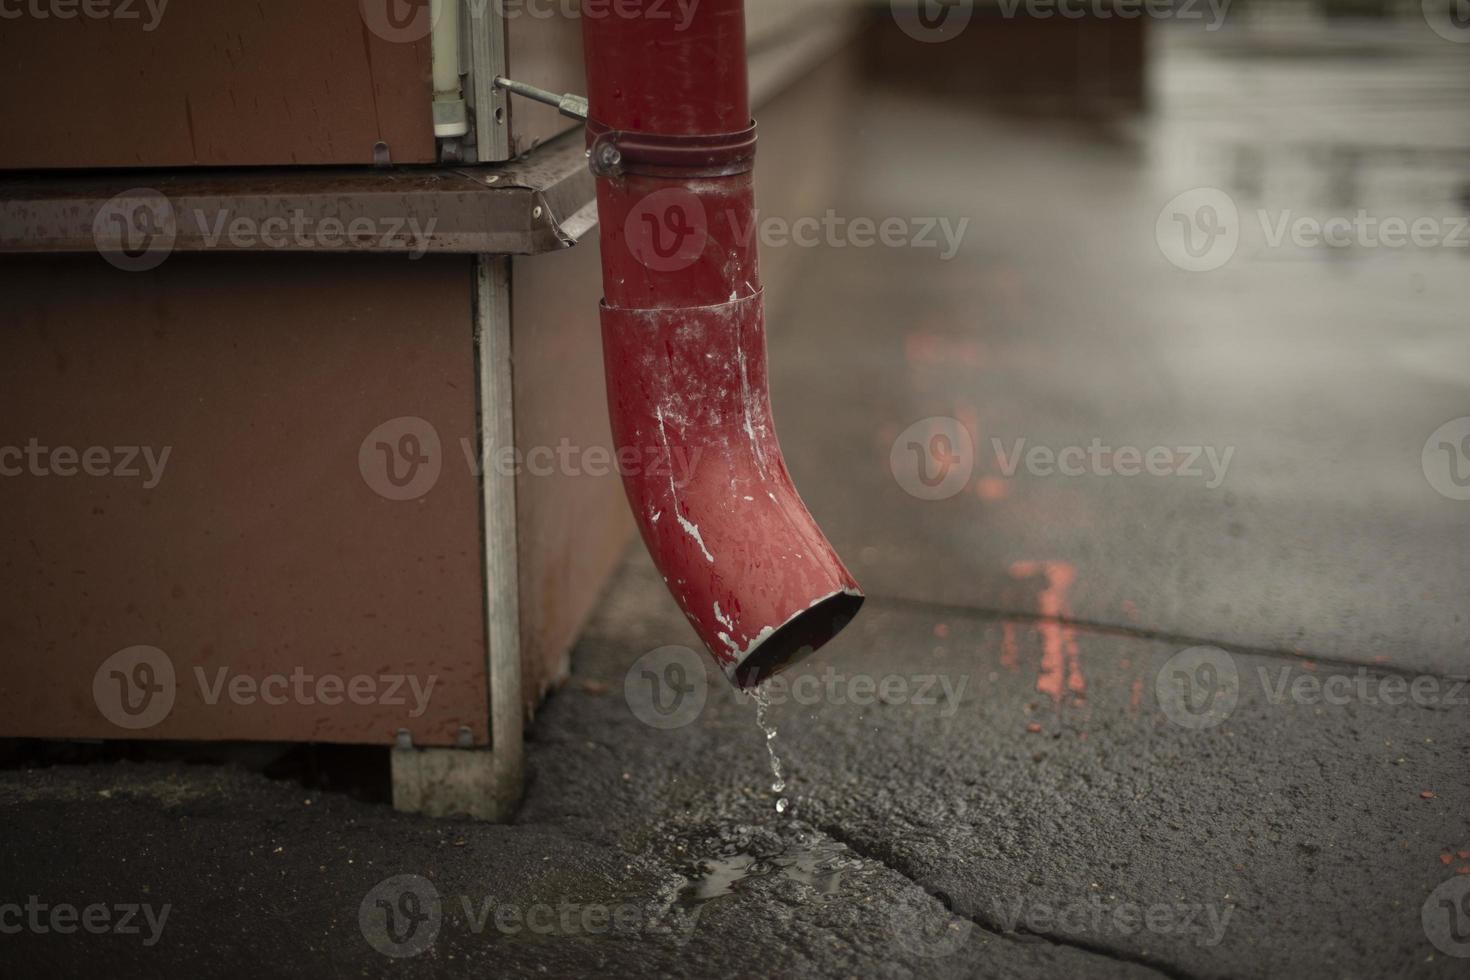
(1203, 722)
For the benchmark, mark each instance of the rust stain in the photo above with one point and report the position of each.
(1061, 668)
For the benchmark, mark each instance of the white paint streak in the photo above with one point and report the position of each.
(689, 527)
(692, 530)
(663, 437)
(745, 400)
(740, 654)
(760, 638)
(832, 595)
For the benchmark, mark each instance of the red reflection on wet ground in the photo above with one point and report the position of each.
(1061, 668)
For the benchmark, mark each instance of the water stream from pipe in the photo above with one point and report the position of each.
(778, 781)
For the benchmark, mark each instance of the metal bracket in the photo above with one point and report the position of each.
(574, 106)
(615, 152)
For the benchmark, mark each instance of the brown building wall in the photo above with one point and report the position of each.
(212, 83)
(267, 545)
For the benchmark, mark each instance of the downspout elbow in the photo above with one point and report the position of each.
(709, 488)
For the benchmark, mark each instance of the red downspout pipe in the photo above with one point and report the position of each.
(672, 143)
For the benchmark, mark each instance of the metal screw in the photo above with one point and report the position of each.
(608, 156)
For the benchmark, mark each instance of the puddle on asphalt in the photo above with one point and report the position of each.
(818, 864)
(804, 858)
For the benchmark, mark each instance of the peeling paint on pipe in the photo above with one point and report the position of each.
(742, 556)
(683, 331)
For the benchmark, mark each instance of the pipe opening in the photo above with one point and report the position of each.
(797, 638)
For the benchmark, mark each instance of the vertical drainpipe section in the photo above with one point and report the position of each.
(451, 120)
(672, 144)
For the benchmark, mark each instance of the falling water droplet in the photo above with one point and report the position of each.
(778, 781)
